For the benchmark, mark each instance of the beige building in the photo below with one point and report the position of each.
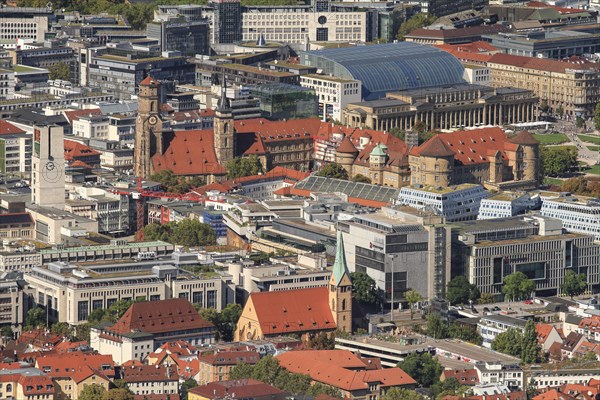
(15, 226)
(56, 226)
(333, 94)
(444, 108)
(14, 28)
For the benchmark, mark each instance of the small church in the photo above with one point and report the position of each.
(303, 312)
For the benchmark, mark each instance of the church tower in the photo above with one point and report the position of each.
(148, 128)
(340, 289)
(224, 128)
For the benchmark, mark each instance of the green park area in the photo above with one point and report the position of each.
(551, 138)
(590, 139)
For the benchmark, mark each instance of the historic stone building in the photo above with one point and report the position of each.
(463, 105)
(148, 128)
(485, 156)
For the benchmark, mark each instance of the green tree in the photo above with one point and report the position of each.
(597, 116)
(486, 298)
(7, 332)
(397, 393)
(244, 166)
(158, 231)
(517, 286)
(412, 297)
(363, 287)
(460, 291)
(574, 284)
(399, 133)
(416, 21)
(118, 394)
(82, 332)
(333, 170)
(560, 111)
(322, 341)
(60, 71)
(296, 384)
(116, 310)
(120, 384)
(186, 386)
(557, 160)
(319, 388)
(425, 136)
(436, 327)
(449, 387)
(176, 184)
(241, 371)
(61, 328)
(191, 233)
(419, 126)
(228, 320)
(544, 106)
(509, 342)
(530, 349)
(423, 368)
(97, 315)
(92, 392)
(361, 178)
(579, 122)
(36, 317)
(466, 333)
(266, 370)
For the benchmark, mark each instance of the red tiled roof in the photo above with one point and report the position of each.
(6, 128)
(160, 317)
(36, 385)
(590, 324)
(561, 10)
(243, 389)
(524, 137)
(39, 337)
(230, 358)
(85, 372)
(346, 146)
(289, 311)
(339, 371)
(71, 363)
(172, 396)
(221, 187)
(190, 153)
(282, 130)
(474, 47)
(81, 164)
(553, 394)
(149, 373)
(434, 147)
(181, 116)
(462, 375)
(75, 114)
(543, 331)
(74, 150)
(148, 81)
(543, 64)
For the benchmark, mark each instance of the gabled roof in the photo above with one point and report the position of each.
(553, 394)
(434, 147)
(290, 311)
(243, 389)
(75, 114)
(6, 128)
(149, 373)
(36, 385)
(71, 363)
(543, 331)
(230, 358)
(159, 317)
(74, 150)
(282, 130)
(464, 376)
(190, 153)
(524, 138)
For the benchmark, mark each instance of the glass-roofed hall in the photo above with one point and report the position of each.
(388, 67)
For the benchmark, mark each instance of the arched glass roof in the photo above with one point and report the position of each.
(389, 67)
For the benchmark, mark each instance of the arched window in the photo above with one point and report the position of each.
(151, 106)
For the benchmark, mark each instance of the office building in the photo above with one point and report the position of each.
(580, 214)
(16, 226)
(76, 289)
(46, 56)
(454, 35)
(47, 175)
(227, 21)
(384, 68)
(110, 210)
(285, 101)
(24, 23)
(333, 94)
(180, 28)
(440, 8)
(15, 150)
(454, 203)
(489, 250)
(507, 204)
(401, 249)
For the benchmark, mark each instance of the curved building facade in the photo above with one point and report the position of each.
(388, 67)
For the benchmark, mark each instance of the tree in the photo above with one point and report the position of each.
(399, 133)
(597, 116)
(466, 333)
(60, 71)
(396, 393)
(333, 170)
(319, 388)
(176, 184)
(161, 232)
(560, 111)
(486, 298)
(191, 233)
(416, 21)
(7, 332)
(228, 320)
(557, 160)
(423, 368)
(361, 178)
(449, 387)
(574, 284)
(186, 386)
(530, 349)
(436, 327)
(425, 136)
(419, 126)
(322, 341)
(61, 328)
(363, 287)
(266, 370)
(296, 384)
(460, 291)
(92, 392)
(118, 394)
(412, 297)
(579, 122)
(517, 286)
(544, 106)
(509, 342)
(244, 166)
(120, 384)
(36, 317)
(241, 371)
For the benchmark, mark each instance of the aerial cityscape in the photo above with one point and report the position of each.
(300, 200)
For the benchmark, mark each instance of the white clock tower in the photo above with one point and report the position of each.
(47, 166)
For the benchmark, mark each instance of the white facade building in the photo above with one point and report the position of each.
(506, 204)
(333, 94)
(477, 75)
(490, 326)
(455, 203)
(7, 84)
(91, 127)
(579, 214)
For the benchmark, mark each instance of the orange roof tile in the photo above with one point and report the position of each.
(69, 364)
(346, 146)
(75, 114)
(243, 388)
(553, 394)
(230, 358)
(74, 150)
(435, 147)
(290, 311)
(149, 373)
(543, 331)
(6, 128)
(149, 81)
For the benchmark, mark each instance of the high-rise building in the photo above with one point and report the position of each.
(181, 28)
(227, 23)
(47, 178)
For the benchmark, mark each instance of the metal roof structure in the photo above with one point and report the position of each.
(321, 184)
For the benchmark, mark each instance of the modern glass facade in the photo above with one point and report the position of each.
(227, 21)
(280, 100)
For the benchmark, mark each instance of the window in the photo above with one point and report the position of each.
(82, 310)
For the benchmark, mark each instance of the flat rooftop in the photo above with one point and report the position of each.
(442, 189)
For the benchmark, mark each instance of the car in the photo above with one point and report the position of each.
(528, 302)
(496, 308)
(485, 309)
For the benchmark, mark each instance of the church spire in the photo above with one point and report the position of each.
(223, 106)
(339, 266)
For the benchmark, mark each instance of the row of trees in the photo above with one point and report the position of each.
(523, 345)
(269, 371)
(187, 232)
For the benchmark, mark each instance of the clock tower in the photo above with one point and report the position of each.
(148, 128)
(47, 166)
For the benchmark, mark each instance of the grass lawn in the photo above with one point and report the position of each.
(594, 169)
(552, 138)
(553, 181)
(590, 139)
(593, 148)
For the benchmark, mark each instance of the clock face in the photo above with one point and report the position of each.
(51, 172)
(322, 19)
(153, 120)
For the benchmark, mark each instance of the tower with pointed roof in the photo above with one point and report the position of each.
(340, 289)
(527, 167)
(224, 128)
(345, 154)
(148, 128)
